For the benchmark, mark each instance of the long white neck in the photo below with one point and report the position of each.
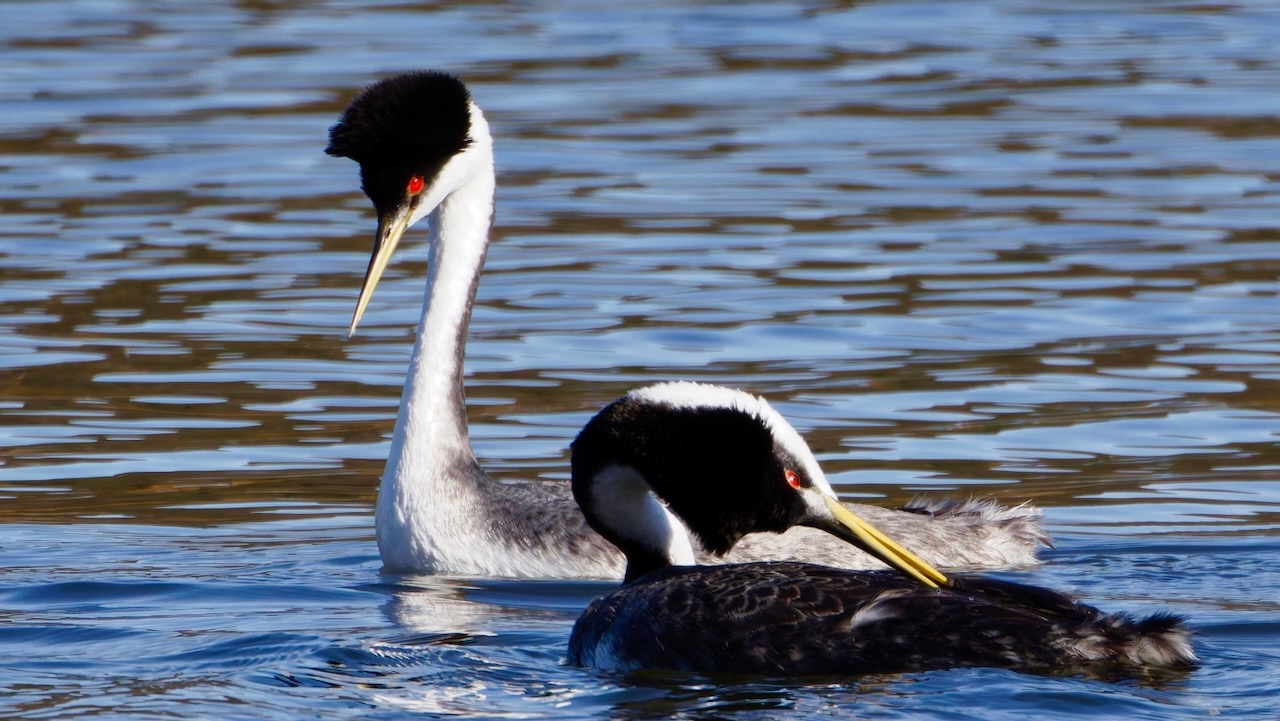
(432, 425)
(432, 474)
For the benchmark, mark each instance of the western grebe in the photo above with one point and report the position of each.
(424, 150)
(723, 464)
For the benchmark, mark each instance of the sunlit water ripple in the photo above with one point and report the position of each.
(1023, 250)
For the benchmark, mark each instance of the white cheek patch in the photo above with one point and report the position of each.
(623, 501)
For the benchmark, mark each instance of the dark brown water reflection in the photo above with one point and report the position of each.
(1023, 250)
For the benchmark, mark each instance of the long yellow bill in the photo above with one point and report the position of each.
(873, 541)
(390, 229)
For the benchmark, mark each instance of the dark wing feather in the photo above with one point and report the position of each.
(795, 618)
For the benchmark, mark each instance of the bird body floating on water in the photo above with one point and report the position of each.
(722, 464)
(425, 151)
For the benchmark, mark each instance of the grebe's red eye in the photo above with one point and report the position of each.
(416, 184)
(793, 480)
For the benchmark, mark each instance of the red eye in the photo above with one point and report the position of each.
(416, 184)
(793, 480)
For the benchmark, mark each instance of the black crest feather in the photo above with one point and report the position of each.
(404, 125)
(717, 468)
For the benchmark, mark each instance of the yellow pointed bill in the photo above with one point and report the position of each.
(873, 541)
(390, 229)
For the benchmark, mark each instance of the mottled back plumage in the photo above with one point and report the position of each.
(794, 618)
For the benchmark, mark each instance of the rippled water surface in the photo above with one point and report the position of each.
(1023, 249)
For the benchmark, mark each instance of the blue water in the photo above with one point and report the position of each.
(1019, 250)
(284, 620)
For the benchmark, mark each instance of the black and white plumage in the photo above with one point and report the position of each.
(726, 469)
(425, 151)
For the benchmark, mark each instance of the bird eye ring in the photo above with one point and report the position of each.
(416, 184)
(793, 479)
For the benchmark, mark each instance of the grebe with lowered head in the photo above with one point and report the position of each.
(722, 464)
(425, 151)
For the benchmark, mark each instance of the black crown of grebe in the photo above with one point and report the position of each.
(425, 151)
(722, 464)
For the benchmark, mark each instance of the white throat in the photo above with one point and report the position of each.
(425, 485)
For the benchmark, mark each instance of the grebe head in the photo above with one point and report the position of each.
(724, 463)
(418, 138)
